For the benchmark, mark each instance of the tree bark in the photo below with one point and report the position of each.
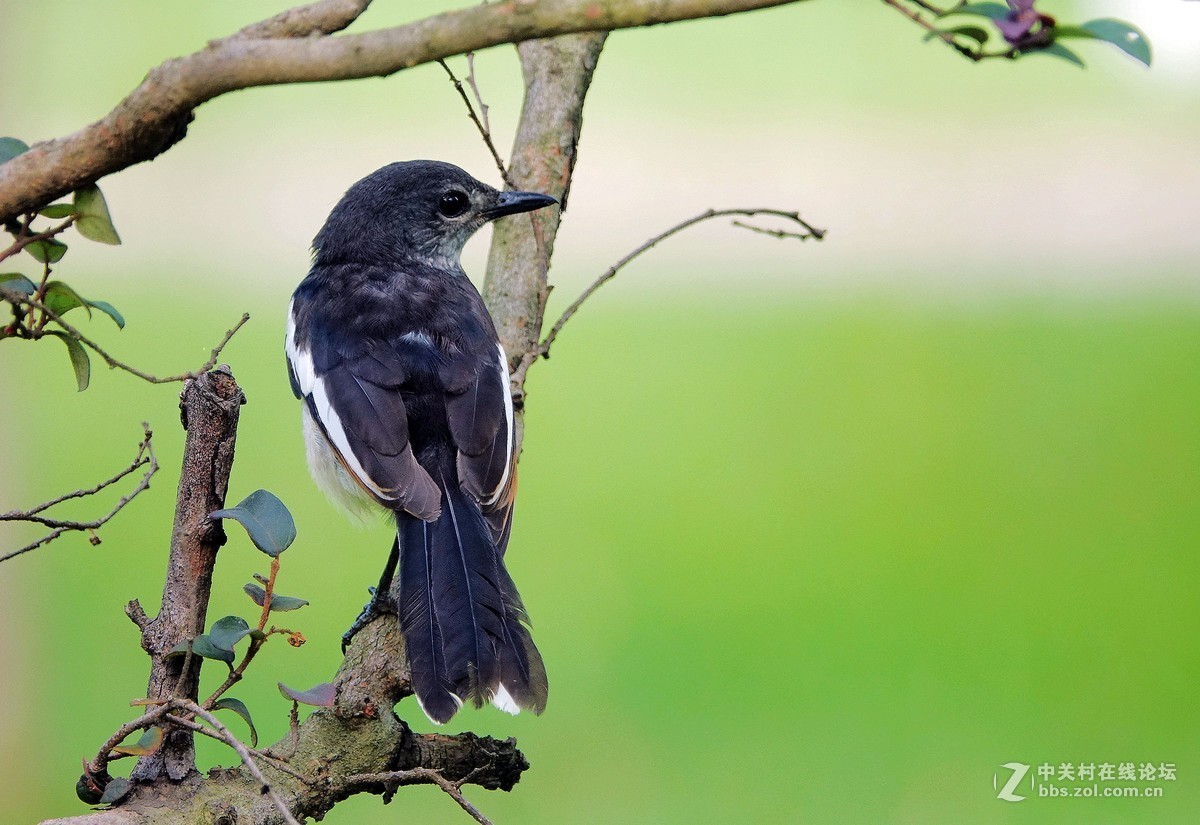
(209, 408)
(558, 73)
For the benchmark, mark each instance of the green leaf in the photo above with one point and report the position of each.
(93, 221)
(279, 604)
(150, 742)
(61, 299)
(227, 632)
(1060, 51)
(1125, 36)
(57, 210)
(238, 707)
(977, 33)
(202, 646)
(79, 358)
(116, 790)
(321, 695)
(266, 520)
(10, 147)
(18, 283)
(285, 604)
(47, 250)
(109, 310)
(992, 11)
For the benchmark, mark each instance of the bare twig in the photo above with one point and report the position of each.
(610, 273)
(474, 84)
(420, 776)
(275, 762)
(781, 233)
(112, 362)
(144, 458)
(242, 751)
(481, 125)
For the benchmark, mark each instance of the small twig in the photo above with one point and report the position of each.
(945, 37)
(105, 754)
(112, 362)
(415, 776)
(274, 762)
(932, 8)
(242, 751)
(23, 239)
(145, 458)
(779, 233)
(484, 132)
(483, 107)
(812, 232)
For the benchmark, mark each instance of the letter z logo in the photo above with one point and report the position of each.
(1018, 773)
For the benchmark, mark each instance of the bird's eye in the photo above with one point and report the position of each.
(453, 203)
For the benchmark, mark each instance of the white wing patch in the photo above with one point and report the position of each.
(329, 473)
(300, 359)
(506, 382)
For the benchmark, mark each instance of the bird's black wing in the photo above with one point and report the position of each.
(353, 390)
(479, 412)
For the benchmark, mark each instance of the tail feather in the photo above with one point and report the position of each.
(413, 592)
(463, 621)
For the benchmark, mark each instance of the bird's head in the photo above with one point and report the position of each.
(420, 210)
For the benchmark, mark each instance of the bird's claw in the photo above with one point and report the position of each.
(374, 608)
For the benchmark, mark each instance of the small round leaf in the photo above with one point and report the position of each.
(238, 707)
(93, 220)
(61, 299)
(18, 283)
(57, 210)
(47, 250)
(116, 790)
(10, 147)
(321, 695)
(79, 359)
(109, 310)
(266, 520)
(227, 632)
(151, 740)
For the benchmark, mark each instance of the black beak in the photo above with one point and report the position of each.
(510, 203)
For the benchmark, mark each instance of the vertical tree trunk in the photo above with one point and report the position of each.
(558, 72)
(209, 407)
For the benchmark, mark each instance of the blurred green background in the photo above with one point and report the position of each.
(809, 533)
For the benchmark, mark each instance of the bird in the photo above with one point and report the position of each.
(407, 410)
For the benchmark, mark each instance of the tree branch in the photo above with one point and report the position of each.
(155, 115)
(209, 407)
(144, 458)
(809, 232)
(558, 73)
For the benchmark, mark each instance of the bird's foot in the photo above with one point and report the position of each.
(376, 607)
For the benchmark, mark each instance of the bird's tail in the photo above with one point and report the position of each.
(463, 622)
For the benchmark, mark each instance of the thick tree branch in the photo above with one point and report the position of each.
(156, 114)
